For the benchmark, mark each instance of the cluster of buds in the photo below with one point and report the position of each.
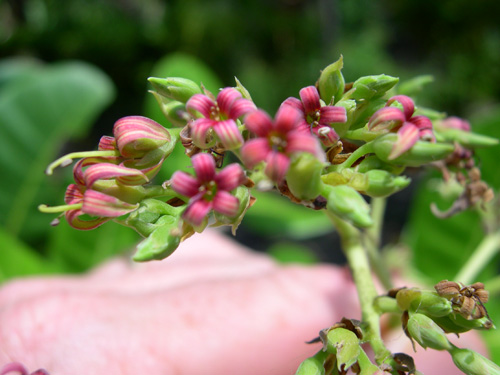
(326, 149)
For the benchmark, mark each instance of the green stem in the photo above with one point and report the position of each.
(373, 240)
(367, 148)
(486, 250)
(360, 268)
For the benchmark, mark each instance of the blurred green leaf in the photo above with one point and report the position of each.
(288, 252)
(38, 112)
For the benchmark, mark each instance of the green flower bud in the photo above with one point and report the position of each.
(372, 162)
(345, 345)
(144, 219)
(420, 153)
(348, 204)
(431, 304)
(406, 297)
(456, 323)
(427, 333)
(313, 365)
(348, 176)
(304, 176)
(466, 138)
(173, 88)
(331, 82)
(382, 183)
(472, 363)
(246, 200)
(174, 111)
(372, 87)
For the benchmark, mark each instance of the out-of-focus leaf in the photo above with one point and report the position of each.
(37, 113)
(17, 259)
(17, 67)
(287, 252)
(273, 215)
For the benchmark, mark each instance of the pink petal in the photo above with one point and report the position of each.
(326, 135)
(277, 166)
(286, 119)
(456, 123)
(96, 203)
(254, 151)
(197, 211)
(310, 98)
(330, 114)
(230, 177)
(107, 143)
(241, 107)
(303, 127)
(105, 171)
(200, 103)
(228, 134)
(225, 203)
(406, 102)
(73, 194)
(386, 118)
(14, 367)
(407, 136)
(421, 122)
(427, 135)
(259, 122)
(199, 131)
(225, 99)
(298, 142)
(294, 102)
(204, 167)
(184, 184)
(73, 219)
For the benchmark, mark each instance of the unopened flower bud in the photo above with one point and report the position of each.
(348, 204)
(174, 88)
(420, 153)
(466, 138)
(304, 176)
(144, 219)
(314, 365)
(174, 111)
(432, 305)
(427, 333)
(345, 345)
(331, 82)
(372, 87)
(456, 323)
(406, 297)
(382, 183)
(372, 162)
(472, 363)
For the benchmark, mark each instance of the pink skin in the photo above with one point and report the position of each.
(213, 307)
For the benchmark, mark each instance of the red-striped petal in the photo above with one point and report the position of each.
(99, 204)
(204, 167)
(225, 203)
(259, 122)
(228, 134)
(386, 118)
(330, 114)
(299, 142)
(421, 122)
(407, 136)
(107, 143)
(326, 135)
(241, 107)
(277, 166)
(293, 102)
(254, 151)
(197, 211)
(310, 99)
(200, 103)
(230, 177)
(199, 131)
(286, 119)
(226, 98)
(74, 220)
(184, 184)
(73, 194)
(106, 171)
(406, 102)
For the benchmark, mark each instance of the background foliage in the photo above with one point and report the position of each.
(50, 104)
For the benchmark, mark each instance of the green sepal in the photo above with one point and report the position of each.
(421, 152)
(456, 323)
(347, 176)
(345, 345)
(246, 200)
(465, 138)
(382, 183)
(414, 85)
(331, 82)
(304, 176)
(406, 297)
(145, 218)
(348, 204)
(472, 363)
(313, 365)
(372, 87)
(427, 333)
(432, 305)
(173, 110)
(372, 162)
(175, 88)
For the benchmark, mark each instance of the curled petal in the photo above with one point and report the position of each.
(225, 203)
(310, 98)
(386, 118)
(197, 211)
(230, 177)
(330, 114)
(406, 102)
(74, 220)
(294, 102)
(254, 151)
(14, 367)
(200, 103)
(240, 108)
(184, 184)
(298, 142)
(78, 173)
(105, 171)
(199, 131)
(427, 135)
(259, 122)
(287, 118)
(204, 167)
(407, 136)
(326, 135)
(277, 166)
(136, 134)
(421, 122)
(99, 204)
(73, 194)
(226, 98)
(107, 143)
(228, 134)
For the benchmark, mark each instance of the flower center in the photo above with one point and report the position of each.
(208, 189)
(313, 118)
(277, 142)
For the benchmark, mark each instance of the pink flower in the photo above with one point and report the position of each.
(209, 189)
(318, 118)
(219, 115)
(277, 141)
(453, 122)
(409, 128)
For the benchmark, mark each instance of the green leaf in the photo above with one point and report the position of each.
(38, 112)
